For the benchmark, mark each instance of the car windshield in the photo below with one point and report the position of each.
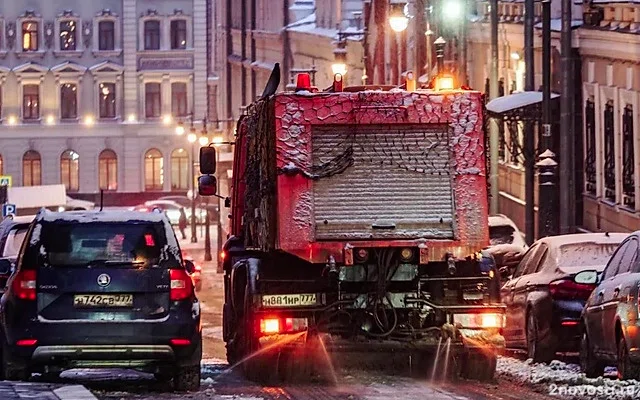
(501, 234)
(13, 243)
(103, 244)
(582, 255)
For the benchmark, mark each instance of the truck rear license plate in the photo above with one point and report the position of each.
(289, 300)
(102, 300)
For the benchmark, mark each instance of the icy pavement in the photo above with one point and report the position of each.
(565, 380)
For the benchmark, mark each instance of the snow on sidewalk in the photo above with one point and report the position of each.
(566, 380)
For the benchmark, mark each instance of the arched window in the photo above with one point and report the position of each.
(153, 170)
(108, 170)
(70, 170)
(31, 169)
(179, 170)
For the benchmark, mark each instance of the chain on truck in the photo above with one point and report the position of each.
(359, 218)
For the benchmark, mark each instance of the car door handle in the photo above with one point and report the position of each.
(616, 291)
(601, 293)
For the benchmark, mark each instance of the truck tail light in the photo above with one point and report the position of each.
(181, 285)
(567, 289)
(480, 320)
(24, 284)
(275, 325)
(445, 82)
(411, 82)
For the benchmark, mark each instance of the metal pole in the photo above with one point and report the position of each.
(219, 239)
(567, 193)
(207, 235)
(194, 238)
(421, 39)
(529, 128)
(547, 216)
(494, 134)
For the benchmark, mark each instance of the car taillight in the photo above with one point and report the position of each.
(275, 325)
(181, 285)
(24, 284)
(567, 289)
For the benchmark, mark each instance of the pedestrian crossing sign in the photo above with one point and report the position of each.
(5, 180)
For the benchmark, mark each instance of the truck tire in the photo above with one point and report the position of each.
(479, 366)
(257, 367)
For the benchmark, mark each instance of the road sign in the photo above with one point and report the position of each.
(8, 209)
(5, 180)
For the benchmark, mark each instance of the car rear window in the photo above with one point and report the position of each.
(586, 255)
(102, 244)
(501, 234)
(13, 243)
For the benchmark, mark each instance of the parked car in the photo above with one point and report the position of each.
(507, 243)
(611, 317)
(12, 233)
(112, 291)
(172, 209)
(544, 300)
(185, 202)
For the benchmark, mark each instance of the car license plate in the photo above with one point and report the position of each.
(289, 300)
(102, 300)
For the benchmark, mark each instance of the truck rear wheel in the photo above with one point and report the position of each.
(479, 366)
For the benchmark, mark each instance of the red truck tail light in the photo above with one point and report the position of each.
(567, 289)
(24, 284)
(181, 285)
(275, 325)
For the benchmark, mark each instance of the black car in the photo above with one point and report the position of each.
(12, 233)
(545, 297)
(102, 289)
(612, 315)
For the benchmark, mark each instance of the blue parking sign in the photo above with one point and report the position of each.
(8, 209)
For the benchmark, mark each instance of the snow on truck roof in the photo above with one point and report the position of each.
(100, 216)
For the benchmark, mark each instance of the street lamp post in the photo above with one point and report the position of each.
(192, 138)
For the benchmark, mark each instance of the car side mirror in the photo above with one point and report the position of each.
(5, 266)
(189, 266)
(207, 185)
(208, 160)
(587, 277)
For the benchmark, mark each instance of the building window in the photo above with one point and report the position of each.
(178, 34)
(69, 101)
(31, 102)
(179, 170)
(628, 160)
(68, 34)
(609, 154)
(69, 170)
(107, 100)
(108, 170)
(179, 99)
(31, 169)
(590, 140)
(106, 35)
(153, 170)
(152, 35)
(30, 36)
(152, 100)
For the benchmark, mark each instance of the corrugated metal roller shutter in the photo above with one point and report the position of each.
(397, 185)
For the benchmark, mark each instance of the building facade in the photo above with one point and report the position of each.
(90, 92)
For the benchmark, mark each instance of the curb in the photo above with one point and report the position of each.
(74, 392)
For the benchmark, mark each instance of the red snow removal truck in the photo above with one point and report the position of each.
(359, 219)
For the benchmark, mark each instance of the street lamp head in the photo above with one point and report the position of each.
(203, 140)
(452, 10)
(192, 137)
(217, 140)
(339, 68)
(398, 22)
(515, 56)
(167, 119)
(180, 129)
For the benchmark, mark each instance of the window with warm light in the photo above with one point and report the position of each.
(107, 100)
(179, 170)
(178, 34)
(179, 103)
(152, 35)
(31, 102)
(30, 36)
(31, 169)
(153, 170)
(106, 35)
(70, 170)
(68, 35)
(108, 170)
(69, 101)
(152, 100)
